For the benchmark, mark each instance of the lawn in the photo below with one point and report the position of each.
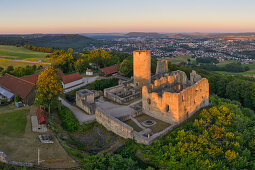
(159, 126)
(13, 124)
(19, 53)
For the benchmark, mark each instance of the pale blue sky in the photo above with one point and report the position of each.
(76, 16)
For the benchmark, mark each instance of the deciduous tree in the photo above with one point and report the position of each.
(49, 87)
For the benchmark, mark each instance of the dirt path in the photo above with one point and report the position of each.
(24, 61)
(80, 115)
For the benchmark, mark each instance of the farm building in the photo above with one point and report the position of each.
(18, 86)
(89, 72)
(70, 80)
(41, 116)
(108, 71)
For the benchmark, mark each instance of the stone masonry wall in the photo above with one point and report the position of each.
(86, 102)
(174, 107)
(113, 124)
(142, 67)
(162, 66)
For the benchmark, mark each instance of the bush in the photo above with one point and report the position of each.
(68, 121)
(17, 98)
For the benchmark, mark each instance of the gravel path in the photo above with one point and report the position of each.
(81, 116)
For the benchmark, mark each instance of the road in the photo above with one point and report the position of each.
(81, 116)
(24, 61)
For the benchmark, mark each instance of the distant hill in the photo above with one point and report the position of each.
(56, 41)
(143, 34)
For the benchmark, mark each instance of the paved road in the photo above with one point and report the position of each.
(86, 81)
(24, 61)
(81, 116)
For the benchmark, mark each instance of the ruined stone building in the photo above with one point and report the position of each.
(167, 101)
(142, 67)
(162, 67)
(174, 98)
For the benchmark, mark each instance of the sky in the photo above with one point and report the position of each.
(108, 16)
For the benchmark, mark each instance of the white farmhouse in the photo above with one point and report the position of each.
(70, 80)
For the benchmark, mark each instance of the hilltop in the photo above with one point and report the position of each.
(56, 41)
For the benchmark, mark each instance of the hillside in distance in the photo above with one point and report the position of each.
(56, 41)
(143, 34)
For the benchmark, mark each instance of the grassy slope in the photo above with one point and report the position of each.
(251, 72)
(19, 53)
(13, 123)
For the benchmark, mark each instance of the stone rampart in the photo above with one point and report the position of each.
(113, 124)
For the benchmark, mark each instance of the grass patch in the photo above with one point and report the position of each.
(13, 124)
(159, 126)
(19, 53)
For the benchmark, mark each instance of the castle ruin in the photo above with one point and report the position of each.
(142, 110)
(174, 98)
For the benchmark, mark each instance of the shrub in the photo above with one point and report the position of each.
(17, 98)
(68, 121)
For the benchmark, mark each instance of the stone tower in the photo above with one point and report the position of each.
(142, 67)
(162, 67)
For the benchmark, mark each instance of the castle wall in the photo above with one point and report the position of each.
(174, 107)
(113, 124)
(109, 94)
(85, 101)
(142, 67)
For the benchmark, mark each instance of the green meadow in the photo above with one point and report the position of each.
(19, 53)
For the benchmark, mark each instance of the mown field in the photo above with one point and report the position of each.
(25, 56)
(19, 53)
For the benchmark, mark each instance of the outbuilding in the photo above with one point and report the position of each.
(89, 72)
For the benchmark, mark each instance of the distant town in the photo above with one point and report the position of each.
(221, 46)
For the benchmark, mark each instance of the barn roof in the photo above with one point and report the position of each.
(16, 85)
(30, 78)
(110, 70)
(71, 78)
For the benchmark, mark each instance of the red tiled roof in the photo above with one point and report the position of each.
(71, 78)
(41, 116)
(110, 70)
(89, 70)
(16, 85)
(31, 78)
(60, 72)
